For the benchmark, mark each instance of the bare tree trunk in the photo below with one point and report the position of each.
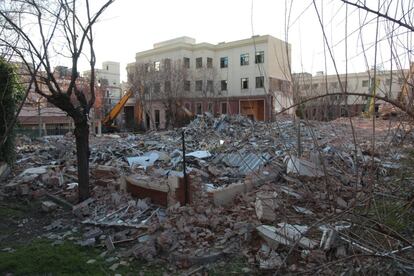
(82, 154)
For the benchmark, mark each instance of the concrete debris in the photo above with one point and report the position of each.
(265, 206)
(286, 234)
(302, 167)
(48, 206)
(144, 161)
(88, 242)
(36, 171)
(240, 176)
(268, 258)
(302, 210)
(201, 154)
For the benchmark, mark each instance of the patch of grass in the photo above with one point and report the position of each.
(40, 257)
(231, 266)
(12, 211)
(394, 214)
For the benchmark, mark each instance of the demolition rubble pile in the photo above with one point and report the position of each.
(249, 191)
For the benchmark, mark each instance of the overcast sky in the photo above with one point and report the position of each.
(130, 26)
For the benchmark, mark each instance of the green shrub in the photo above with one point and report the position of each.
(10, 95)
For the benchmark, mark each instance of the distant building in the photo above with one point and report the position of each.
(249, 77)
(38, 116)
(109, 79)
(389, 84)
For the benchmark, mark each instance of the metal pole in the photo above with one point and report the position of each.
(39, 118)
(186, 200)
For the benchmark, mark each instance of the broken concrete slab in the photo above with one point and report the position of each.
(146, 160)
(302, 167)
(162, 191)
(48, 206)
(143, 187)
(265, 206)
(287, 234)
(225, 195)
(201, 154)
(37, 170)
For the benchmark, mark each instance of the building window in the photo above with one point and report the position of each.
(157, 87)
(157, 66)
(147, 67)
(209, 62)
(167, 86)
(244, 59)
(259, 57)
(199, 108)
(210, 107)
(210, 87)
(224, 108)
(157, 118)
(187, 106)
(187, 85)
(199, 85)
(259, 82)
(244, 83)
(167, 64)
(186, 62)
(199, 62)
(224, 62)
(365, 83)
(224, 85)
(315, 86)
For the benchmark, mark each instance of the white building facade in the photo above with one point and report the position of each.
(249, 77)
(109, 78)
(389, 84)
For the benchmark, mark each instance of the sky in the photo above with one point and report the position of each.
(130, 26)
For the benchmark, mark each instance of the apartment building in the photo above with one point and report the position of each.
(109, 79)
(388, 84)
(249, 77)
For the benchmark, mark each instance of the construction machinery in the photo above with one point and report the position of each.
(109, 119)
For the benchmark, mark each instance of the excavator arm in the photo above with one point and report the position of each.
(111, 116)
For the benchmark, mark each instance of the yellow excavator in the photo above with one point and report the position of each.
(107, 122)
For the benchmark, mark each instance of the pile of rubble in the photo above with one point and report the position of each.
(248, 191)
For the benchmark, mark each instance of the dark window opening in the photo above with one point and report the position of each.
(223, 108)
(209, 62)
(224, 85)
(199, 62)
(244, 83)
(259, 57)
(224, 62)
(244, 59)
(187, 62)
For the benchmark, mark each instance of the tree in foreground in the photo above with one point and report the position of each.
(44, 34)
